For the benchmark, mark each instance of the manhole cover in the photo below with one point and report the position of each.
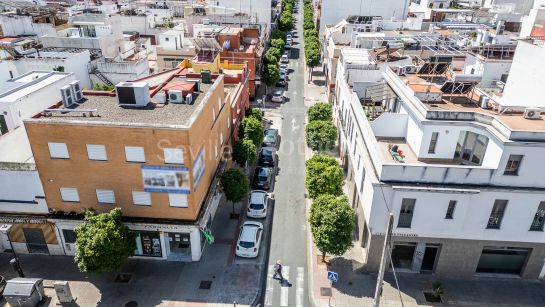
(131, 304)
(123, 278)
(205, 284)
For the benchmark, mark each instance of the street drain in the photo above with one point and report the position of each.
(205, 284)
(131, 304)
(123, 278)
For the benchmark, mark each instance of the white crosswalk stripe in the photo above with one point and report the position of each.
(297, 287)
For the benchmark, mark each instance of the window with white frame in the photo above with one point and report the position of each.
(539, 218)
(69, 194)
(450, 210)
(177, 200)
(173, 155)
(105, 196)
(219, 103)
(221, 138)
(229, 123)
(141, 198)
(433, 142)
(135, 154)
(58, 150)
(96, 152)
(216, 151)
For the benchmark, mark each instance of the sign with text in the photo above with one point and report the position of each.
(166, 179)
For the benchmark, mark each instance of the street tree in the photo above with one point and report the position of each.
(320, 111)
(323, 175)
(277, 33)
(272, 74)
(103, 242)
(321, 135)
(252, 129)
(313, 59)
(278, 43)
(244, 151)
(235, 185)
(285, 22)
(332, 223)
(255, 113)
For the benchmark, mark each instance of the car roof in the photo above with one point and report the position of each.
(278, 92)
(268, 150)
(263, 170)
(257, 197)
(248, 231)
(271, 131)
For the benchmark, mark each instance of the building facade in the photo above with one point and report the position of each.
(160, 168)
(459, 177)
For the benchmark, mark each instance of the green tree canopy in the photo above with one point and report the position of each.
(271, 74)
(321, 135)
(278, 43)
(285, 22)
(324, 175)
(252, 129)
(103, 242)
(277, 33)
(244, 150)
(256, 113)
(320, 111)
(235, 184)
(332, 223)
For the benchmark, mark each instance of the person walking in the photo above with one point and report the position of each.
(278, 270)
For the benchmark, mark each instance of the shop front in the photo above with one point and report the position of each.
(415, 257)
(29, 235)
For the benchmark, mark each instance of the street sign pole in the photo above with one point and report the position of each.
(383, 261)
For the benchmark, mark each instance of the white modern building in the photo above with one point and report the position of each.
(330, 12)
(23, 207)
(462, 179)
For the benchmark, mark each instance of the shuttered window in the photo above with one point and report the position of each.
(173, 155)
(135, 154)
(58, 150)
(69, 194)
(105, 196)
(141, 198)
(221, 138)
(96, 152)
(177, 200)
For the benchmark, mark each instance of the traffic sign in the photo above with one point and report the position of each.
(333, 276)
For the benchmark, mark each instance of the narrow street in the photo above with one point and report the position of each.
(289, 233)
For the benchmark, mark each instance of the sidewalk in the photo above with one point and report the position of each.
(157, 282)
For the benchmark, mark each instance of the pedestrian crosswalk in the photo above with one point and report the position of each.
(289, 292)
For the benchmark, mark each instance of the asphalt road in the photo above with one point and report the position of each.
(289, 234)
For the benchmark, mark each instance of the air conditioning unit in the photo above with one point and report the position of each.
(197, 82)
(76, 90)
(410, 69)
(189, 98)
(485, 100)
(401, 70)
(135, 94)
(67, 98)
(161, 97)
(532, 113)
(175, 96)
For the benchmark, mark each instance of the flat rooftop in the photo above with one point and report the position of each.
(29, 83)
(108, 111)
(15, 147)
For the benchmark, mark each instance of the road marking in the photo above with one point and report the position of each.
(300, 290)
(284, 291)
(269, 291)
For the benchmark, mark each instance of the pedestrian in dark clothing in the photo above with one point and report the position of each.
(278, 270)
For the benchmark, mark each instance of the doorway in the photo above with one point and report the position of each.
(35, 241)
(429, 259)
(179, 246)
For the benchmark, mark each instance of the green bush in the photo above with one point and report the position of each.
(321, 135)
(323, 175)
(320, 111)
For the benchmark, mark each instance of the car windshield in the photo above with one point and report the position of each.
(257, 206)
(277, 93)
(269, 138)
(266, 152)
(246, 244)
(272, 132)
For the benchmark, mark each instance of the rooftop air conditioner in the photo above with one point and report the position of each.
(161, 97)
(67, 98)
(401, 70)
(76, 90)
(189, 98)
(175, 96)
(135, 94)
(532, 113)
(410, 69)
(484, 102)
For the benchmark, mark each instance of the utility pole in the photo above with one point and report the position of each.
(383, 260)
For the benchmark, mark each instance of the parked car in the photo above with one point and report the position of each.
(283, 71)
(284, 66)
(249, 239)
(257, 204)
(289, 36)
(270, 138)
(277, 96)
(263, 177)
(266, 157)
(287, 46)
(284, 59)
(283, 80)
(289, 40)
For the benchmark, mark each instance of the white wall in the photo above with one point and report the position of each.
(15, 25)
(529, 21)
(526, 80)
(491, 71)
(260, 9)
(332, 12)
(21, 191)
